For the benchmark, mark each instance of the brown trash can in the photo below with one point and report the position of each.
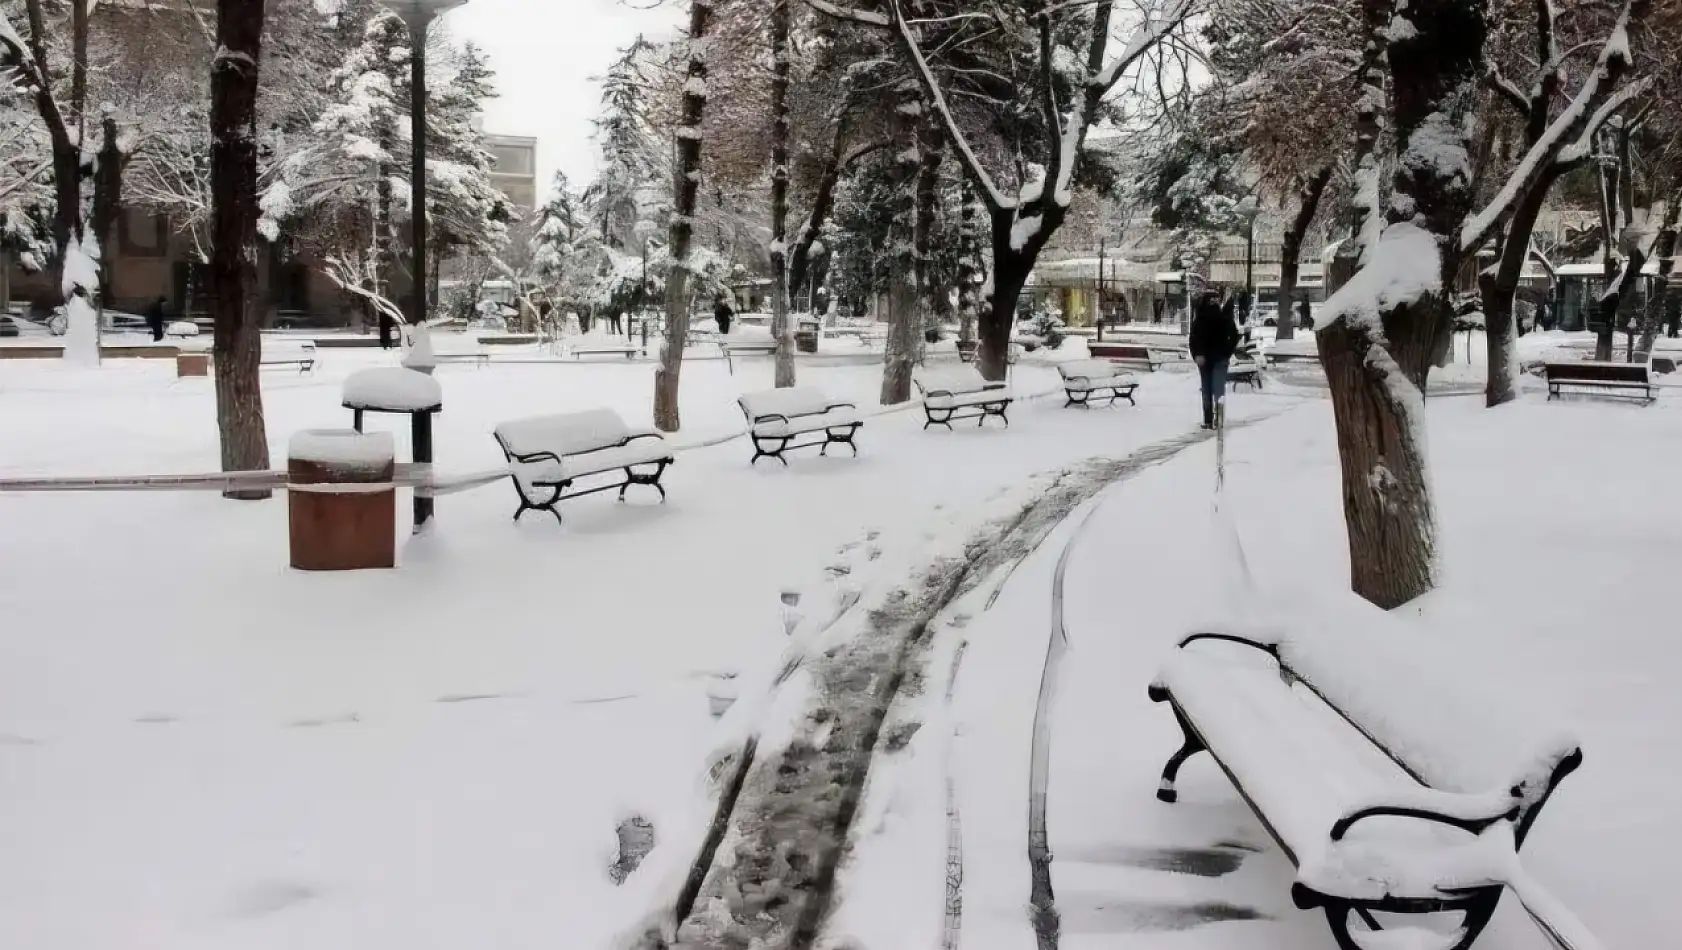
(336, 524)
(192, 364)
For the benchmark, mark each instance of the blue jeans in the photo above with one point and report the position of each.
(1213, 373)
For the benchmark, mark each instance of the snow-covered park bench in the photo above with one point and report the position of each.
(960, 392)
(1627, 380)
(302, 356)
(777, 417)
(756, 344)
(1246, 365)
(1086, 380)
(547, 455)
(1395, 780)
(1129, 355)
(605, 348)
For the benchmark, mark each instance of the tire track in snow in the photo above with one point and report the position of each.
(1042, 897)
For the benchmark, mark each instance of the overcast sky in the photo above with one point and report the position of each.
(545, 53)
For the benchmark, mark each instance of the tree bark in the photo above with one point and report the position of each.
(233, 183)
(969, 266)
(1377, 369)
(1308, 205)
(688, 187)
(1664, 250)
(107, 204)
(904, 325)
(1369, 129)
(781, 327)
(1500, 290)
(928, 205)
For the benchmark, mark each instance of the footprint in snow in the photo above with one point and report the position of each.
(270, 897)
(346, 719)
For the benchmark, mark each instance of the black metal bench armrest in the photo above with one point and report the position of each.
(842, 405)
(1472, 824)
(643, 435)
(771, 417)
(1271, 649)
(534, 457)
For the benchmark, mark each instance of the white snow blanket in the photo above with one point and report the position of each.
(393, 388)
(1084, 376)
(580, 443)
(954, 387)
(784, 413)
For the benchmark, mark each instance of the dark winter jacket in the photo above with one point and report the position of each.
(1214, 334)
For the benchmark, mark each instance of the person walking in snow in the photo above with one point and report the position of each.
(723, 313)
(1214, 337)
(155, 319)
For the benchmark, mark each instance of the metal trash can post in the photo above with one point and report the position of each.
(400, 391)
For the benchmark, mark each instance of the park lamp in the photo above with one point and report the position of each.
(419, 14)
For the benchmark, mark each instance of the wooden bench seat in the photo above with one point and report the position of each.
(778, 417)
(1085, 380)
(548, 455)
(1381, 765)
(1130, 355)
(961, 392)
(1626, 380)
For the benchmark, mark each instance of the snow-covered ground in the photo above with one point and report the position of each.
(1561, 536)
(199, 747)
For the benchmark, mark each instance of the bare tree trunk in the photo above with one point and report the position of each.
(1308, 205)
(233, 184)
(107, 204)
(688, 186)
(928, 205)
(1664, 249)
(781, 327)
(969, 265)
(903, 322)
(1369, 129)
(1377, 368)
(1500, 290)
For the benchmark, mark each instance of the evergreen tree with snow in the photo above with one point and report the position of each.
(628, 145)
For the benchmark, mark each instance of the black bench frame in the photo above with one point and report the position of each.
(773, 446)
(558, 490)
(980, 411)
(1477, 903)
(630, 351)
(1251, 377)
(305, 364)
(1624, 389)
(1083, 397)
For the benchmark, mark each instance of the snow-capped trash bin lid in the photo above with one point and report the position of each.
(393, 389)
(342, 448)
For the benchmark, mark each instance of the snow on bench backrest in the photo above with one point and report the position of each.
(956, 380)
(798, 401)
(1089, 369)
(1459, 728)
(564, 434)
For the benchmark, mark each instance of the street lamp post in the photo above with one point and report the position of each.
(419, 14)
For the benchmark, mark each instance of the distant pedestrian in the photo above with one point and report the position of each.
(155, 319)
(615, 323)
(723, 313)
(1214, 338)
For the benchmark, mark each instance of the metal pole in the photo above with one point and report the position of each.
(1102, 246)
(1250, 270)
(422, 429)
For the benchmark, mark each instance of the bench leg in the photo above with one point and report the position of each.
(1165, 791)
(759, 452)
(945, 420)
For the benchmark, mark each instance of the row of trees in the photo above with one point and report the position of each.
(280, 119)
(1426, 139)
